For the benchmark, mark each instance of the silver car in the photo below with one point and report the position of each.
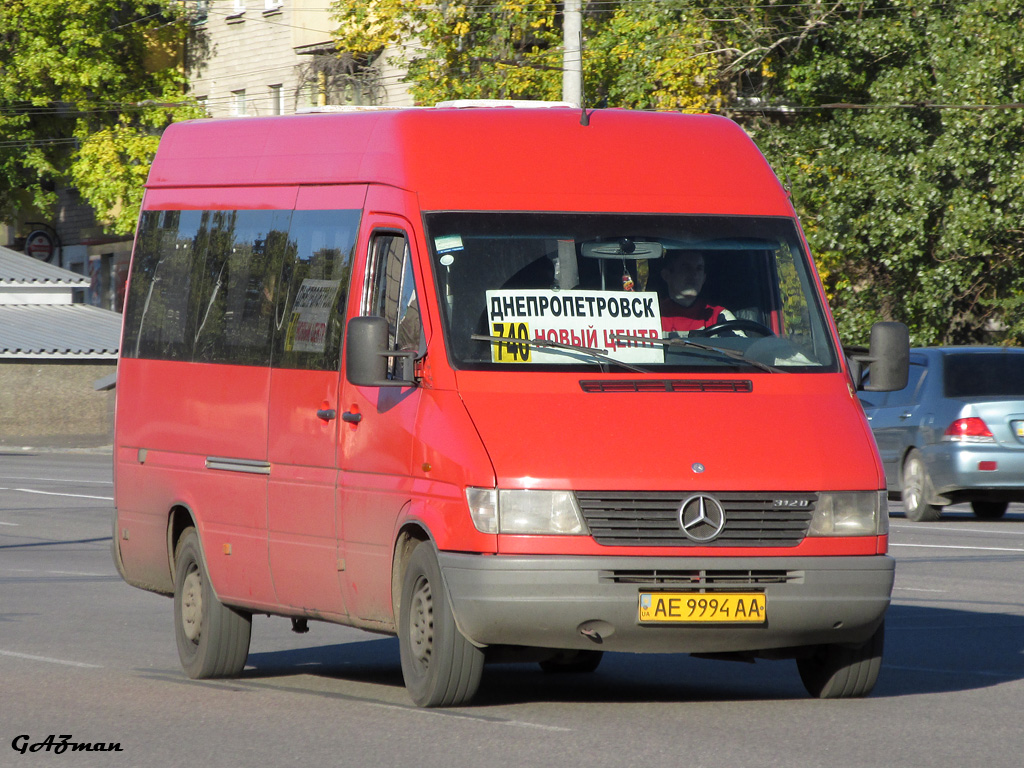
(955, 433)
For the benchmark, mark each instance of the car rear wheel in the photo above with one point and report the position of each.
(989, 510)
(917, 489)
(212, 639)
(441, 667)
(843, 671)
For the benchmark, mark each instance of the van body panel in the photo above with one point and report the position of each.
(812, 546)
(563, 438)
(198, 198)
(194, 409)
(301, 521)
(452, 161)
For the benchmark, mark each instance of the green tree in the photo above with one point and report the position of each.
(900, 127)
(84, 92)
(898, 123)
(645, 54)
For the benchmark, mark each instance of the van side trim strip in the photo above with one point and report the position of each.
(247, 466)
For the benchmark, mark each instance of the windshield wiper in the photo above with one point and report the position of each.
(730, 354)
(601, 355)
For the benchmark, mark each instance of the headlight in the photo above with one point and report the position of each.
(518, 511)
(850, 513)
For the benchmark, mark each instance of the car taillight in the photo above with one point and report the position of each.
(969, 430)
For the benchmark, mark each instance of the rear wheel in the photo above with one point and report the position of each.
(989, 510)
(441, 667)
(842, 671)
(917, 489)
(213, 639)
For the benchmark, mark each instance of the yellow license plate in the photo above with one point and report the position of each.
(697, 607)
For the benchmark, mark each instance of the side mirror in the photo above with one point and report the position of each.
(367, 353)
(888, 356)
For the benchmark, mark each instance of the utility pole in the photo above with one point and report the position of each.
(572, 58)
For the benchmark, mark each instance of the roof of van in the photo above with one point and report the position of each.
(497, 158)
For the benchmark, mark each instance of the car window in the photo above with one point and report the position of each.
(909, 394)
(985, 374)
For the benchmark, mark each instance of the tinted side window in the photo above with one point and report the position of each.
(243, 254)
(240, 287)
(910, 393)
(391, 293)
(157, 307)
(309, 318)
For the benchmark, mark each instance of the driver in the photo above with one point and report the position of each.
(684, 309)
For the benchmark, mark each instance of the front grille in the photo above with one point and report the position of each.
(651, 518)
(702, 578)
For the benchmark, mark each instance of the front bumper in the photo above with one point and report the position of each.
(592, 602)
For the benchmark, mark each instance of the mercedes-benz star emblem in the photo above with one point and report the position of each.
(702, 518)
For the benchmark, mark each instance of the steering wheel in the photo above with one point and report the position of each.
(730, 326)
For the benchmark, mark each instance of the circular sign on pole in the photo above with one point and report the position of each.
(39, 245)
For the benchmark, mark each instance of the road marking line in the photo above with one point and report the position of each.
(918, 528)
(51, 493)
(8, 478)
(15, 525)
(932, 671)
(50, 660)
(956, 546)
(37, 572)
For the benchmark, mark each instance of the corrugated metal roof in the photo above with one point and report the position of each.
(17, 268)
(58, 331)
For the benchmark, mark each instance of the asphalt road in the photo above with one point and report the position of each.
(86, 657)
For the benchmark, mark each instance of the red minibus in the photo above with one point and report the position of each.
(501, 381)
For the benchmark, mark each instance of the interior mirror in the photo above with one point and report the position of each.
(623, 248)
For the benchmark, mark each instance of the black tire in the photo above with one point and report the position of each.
(213, 639)
(441, 668)
(843, 671)
(917, 489)
(572, 662)
(989, 510)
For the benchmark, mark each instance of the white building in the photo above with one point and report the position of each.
(273, 57)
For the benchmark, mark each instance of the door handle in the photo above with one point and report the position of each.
(351, 418)
(905, 416)
(327, 414)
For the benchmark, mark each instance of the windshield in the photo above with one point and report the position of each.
(541, 291)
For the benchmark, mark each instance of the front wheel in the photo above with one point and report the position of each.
(842, 671)
(441, 667)
(917, 489)
(213, 639)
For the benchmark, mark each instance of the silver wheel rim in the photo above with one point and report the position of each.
(192, 605)
(913, 484)
(421, 624)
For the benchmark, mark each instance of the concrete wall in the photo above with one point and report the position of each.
(53, 404)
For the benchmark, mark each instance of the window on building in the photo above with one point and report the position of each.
(201, 12)
(276, 100)
(238, 104)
